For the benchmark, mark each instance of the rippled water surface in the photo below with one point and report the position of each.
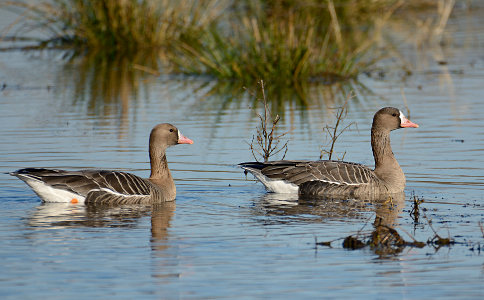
(225, 237)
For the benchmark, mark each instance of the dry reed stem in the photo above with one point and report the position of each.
(335, 24)
(437, 240)
(17, 20)
(146, 69)
(445, 8)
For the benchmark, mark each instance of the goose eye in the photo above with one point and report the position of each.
(171, 130)
(394, 114)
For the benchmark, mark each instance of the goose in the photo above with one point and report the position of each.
(340, 179)
(111, 187)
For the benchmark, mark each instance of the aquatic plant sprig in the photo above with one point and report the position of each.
(267, 143)
(334, 132)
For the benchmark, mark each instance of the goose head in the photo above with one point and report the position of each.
(390, 118)
(166, 135)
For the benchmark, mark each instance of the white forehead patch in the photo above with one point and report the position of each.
(402, 117)
(178, 134)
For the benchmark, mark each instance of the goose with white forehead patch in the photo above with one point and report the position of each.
(326, 178)
(111, 187)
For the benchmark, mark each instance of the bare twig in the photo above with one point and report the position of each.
(267, 143)
(437, 240)
(333, 132)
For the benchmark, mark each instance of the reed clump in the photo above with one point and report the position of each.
(115, 25)
(286, 44)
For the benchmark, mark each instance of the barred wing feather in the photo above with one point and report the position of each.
(96, 186)
(332, 172)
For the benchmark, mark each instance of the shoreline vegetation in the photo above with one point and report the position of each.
(284, 42)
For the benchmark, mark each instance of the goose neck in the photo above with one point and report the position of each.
(382, 150)
(159, 164)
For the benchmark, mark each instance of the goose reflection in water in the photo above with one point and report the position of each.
(66, 215)
(379, 235)
(294, 208)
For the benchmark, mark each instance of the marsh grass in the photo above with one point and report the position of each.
(115, 25)
(293, 45)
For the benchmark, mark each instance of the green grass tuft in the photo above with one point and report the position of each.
(285, 45)
(117, 25)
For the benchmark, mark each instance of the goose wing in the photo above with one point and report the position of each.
(95, 185)
(326, 171)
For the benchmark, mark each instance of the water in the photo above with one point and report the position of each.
(225, 237)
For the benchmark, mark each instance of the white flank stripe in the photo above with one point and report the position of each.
(119, 194)
(338, 182)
